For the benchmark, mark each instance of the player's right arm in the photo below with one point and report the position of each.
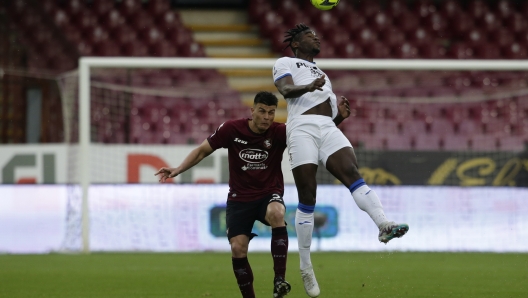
(190, 161)
(288, 89)
(282, 76)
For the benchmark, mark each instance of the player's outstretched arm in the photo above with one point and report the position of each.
(343, 110)
(288, 89)
(190, 161)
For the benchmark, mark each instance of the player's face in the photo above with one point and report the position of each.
(310, 42)
(263, 116)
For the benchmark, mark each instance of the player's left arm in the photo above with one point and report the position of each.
(343, 110)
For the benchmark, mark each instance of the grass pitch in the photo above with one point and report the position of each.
(194, 275)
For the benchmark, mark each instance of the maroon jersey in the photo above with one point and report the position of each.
(254, 159)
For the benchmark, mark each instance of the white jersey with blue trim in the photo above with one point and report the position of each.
(303, 73)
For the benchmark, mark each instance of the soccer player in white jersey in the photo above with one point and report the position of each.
(313, 137)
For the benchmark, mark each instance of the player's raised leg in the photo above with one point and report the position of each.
(279, 245)
(306, 184)
(343, 165)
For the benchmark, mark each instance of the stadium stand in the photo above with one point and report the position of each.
(55, 33)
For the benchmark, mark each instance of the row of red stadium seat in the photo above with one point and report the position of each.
(398, 31)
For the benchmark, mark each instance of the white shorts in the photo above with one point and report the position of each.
(313, 138)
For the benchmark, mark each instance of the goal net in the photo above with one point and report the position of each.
(419, 122)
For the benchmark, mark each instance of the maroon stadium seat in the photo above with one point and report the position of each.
(427, 142)
(396, 7)
(365, 36)
(369, 8)
(406, 50)
(380, 21)
(423, 8)
(514, 51)
(169, 20)
(123, 34)
(450, 8)
(432, 51)
(113, 19)
(501, 37)
(158, 8)
(477, 9)
(487, 51)
(377, 50)
(516, 23)
(392, 37)
(454, 143)
(419, 36)
(350, 50)
(107, 48)
(163, 48)
(504, 9)
(354, 22)
(406, 21)
(101, 7)
(483, 143)
(489, 22)
(461, 50)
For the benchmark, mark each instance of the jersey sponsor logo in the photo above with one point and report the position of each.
(240, 141)
(313, 69)
(253, 155)
(267, 143)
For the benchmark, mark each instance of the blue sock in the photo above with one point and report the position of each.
(360, 182)
(306, 208)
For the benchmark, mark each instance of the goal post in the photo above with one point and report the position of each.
(88, 64)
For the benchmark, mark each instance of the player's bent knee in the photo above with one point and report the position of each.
(239, 250)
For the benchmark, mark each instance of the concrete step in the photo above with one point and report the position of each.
(242, 42)
(242, 55)
(266, 73)
(224, 35)
(213, 17)
(236, 51)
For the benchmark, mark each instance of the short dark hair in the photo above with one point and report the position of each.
(267, 98)
(293, 34)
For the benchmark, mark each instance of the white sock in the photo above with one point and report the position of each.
(304, 224)
(368, 201)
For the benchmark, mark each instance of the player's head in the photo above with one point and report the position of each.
(263, 110)
(302, 39)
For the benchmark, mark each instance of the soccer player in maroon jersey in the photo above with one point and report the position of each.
(256, 186)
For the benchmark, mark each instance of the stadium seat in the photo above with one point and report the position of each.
(477, 9)
(487, 51)
(461, 50)
(406, 21)
(101, 7)
(483, 143)
(454, 143)
(424, 8)
(489, 22)
(441, 127)
(107, 48)
(354, 22)
(514, 51)
(516, 23)
(112, 20)
(376, 50)
(397, 142)
(163, 48)
(468, 127)
(413, 127)
(504, 8)
(392, 37)
(380, 21)
(396, 7)
(158, 8)
(432, 51)
(369, 8)
(501, 37)
(168, 20)
(405, 51)
(426, 142)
